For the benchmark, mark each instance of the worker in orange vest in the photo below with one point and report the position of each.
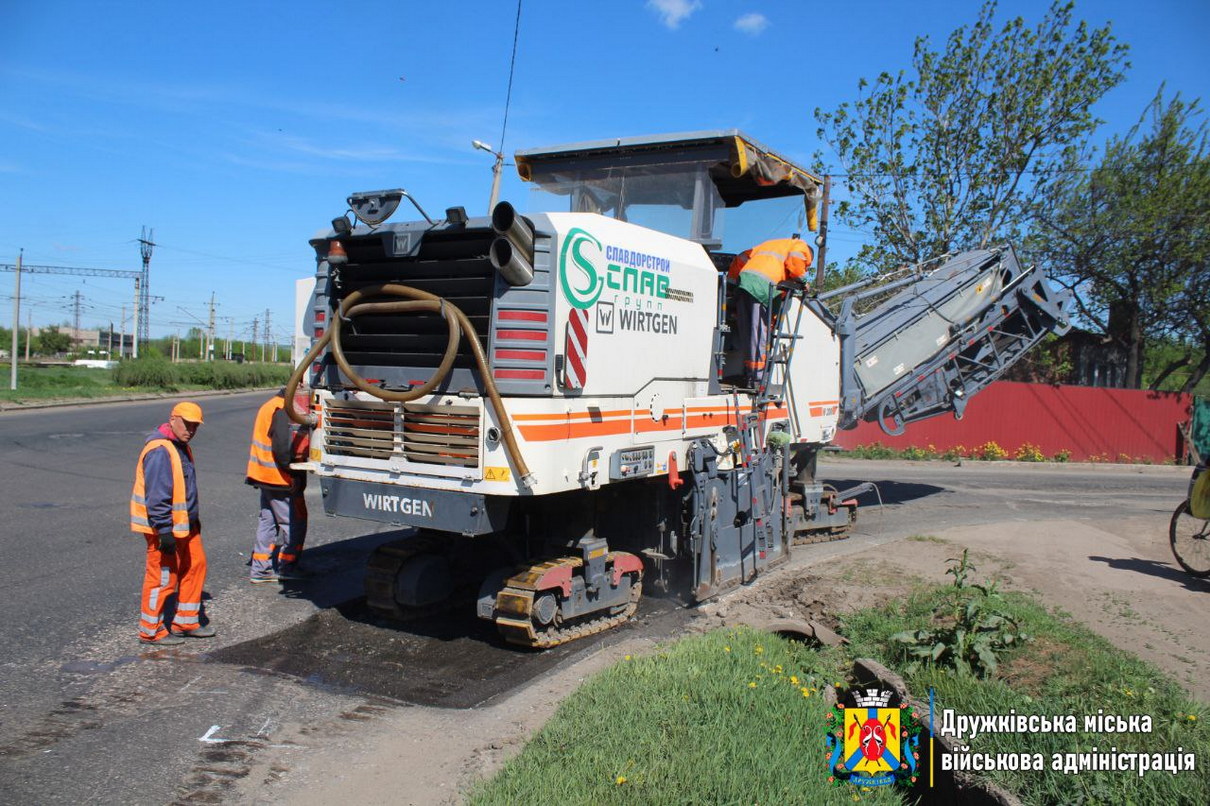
(757, 271)
(283, 507)
(164, 509)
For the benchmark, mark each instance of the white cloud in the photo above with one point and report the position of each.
(752, 24)
(674, 12)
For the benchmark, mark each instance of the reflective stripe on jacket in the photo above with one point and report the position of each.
(154, 507)
(263, 465)
(779, 260)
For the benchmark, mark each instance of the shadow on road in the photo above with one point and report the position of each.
(448, 659)
(1156, 569)
(889, 492)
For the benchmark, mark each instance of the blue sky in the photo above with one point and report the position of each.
(236, 130)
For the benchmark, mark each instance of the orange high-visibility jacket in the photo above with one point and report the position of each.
(139, 522)
(779, 260)
(737, 264)
(263, 468)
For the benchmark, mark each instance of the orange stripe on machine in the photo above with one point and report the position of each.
(572, 425)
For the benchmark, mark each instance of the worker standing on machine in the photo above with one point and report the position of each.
(757, 271)
(164, 509)
(283, 507)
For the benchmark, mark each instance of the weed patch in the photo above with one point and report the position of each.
(969, 628)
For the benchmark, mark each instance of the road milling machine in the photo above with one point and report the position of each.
(547, 399)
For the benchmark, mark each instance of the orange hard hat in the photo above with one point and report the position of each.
(189, 412)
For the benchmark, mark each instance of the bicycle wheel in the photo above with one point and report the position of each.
(1190, 539)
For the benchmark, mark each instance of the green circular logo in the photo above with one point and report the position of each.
(578, 276)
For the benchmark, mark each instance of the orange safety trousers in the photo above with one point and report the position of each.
(182, 571)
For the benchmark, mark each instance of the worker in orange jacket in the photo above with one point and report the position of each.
(164, 509)
(283, 507)
(757, 271)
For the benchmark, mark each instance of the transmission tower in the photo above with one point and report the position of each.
(75, 324)
(146, 244)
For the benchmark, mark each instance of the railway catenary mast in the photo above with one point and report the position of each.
(547, 398)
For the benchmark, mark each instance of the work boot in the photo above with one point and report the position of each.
(293, 573)
(205, 631)
(167, 639)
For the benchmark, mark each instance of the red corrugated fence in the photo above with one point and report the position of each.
(1088, 422)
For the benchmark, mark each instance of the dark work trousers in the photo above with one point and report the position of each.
(282, 524)
(752, 319)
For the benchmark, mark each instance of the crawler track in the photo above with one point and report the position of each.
(518, 625)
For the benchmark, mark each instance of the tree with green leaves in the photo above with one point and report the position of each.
(948, 158)
(1131, 238)
(51, 340)
(6, 339)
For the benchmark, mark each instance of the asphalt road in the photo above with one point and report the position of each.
(86, 716)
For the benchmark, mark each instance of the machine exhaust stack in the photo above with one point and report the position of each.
(512, 253)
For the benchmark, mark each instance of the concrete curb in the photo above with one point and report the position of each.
(8, 407)
(1055, 467)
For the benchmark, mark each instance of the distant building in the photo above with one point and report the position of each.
(1095, 360)
(1079, 358)
(99, 342)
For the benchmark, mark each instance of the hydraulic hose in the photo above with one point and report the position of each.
(369, 301)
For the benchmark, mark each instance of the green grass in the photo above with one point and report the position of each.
(1065, 669)
(714, 719)
(144, 375)
(45, 383)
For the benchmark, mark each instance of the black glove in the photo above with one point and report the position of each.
(167, 542)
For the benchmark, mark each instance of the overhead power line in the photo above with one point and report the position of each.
(512, 65)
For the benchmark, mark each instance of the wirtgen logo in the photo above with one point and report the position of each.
(578, 274)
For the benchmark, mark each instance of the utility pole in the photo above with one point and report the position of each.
(255, 322)
(497, 169)
(210, 333)
(134, 349)
(16, 320)
(821, 240)
(146, 244)
(29, 332)
(109, 342)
